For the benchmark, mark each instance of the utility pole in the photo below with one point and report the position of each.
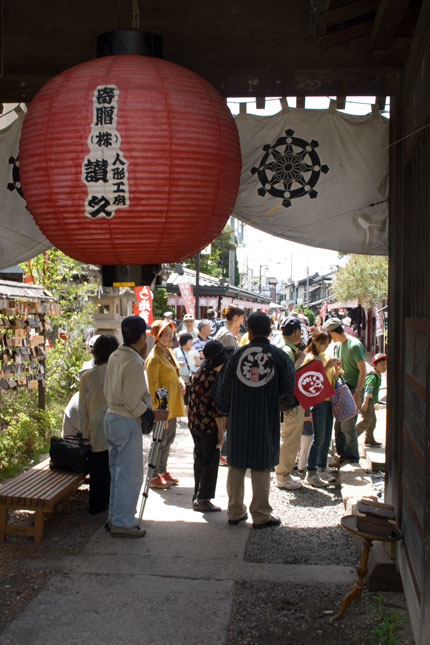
(307, 286)
(197, 286)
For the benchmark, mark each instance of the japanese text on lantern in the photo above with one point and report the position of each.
(104, 170)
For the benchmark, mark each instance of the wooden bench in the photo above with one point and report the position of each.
(39, 489)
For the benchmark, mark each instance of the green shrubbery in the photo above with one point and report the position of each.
(24, 429)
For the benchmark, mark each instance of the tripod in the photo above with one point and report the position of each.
(157, 435)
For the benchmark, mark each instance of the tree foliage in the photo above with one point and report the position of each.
(72, 284)
(217, 263)
(159, 303)
(364, 277)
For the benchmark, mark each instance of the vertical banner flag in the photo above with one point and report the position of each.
(317, 177)
(379, 331)
(20, 238)
(144, 304)
(186, 291)
(312, 384)
(323, 310)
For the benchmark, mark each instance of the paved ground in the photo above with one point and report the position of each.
(187, 580)
(156, 589)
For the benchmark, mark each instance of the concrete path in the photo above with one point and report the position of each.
(174, 586)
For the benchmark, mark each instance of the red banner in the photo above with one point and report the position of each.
(144, 306)
(323, 310)
(186, 291)
(312, 384)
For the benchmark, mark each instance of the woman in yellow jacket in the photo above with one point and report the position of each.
(162, 370)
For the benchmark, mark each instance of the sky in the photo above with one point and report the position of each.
(275, 256)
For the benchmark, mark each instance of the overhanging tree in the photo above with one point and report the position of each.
(364, 277)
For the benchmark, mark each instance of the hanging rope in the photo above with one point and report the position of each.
(2, 40)
(135, 11)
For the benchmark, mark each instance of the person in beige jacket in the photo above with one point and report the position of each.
(163, 371)
(129, 402)
(92, 410)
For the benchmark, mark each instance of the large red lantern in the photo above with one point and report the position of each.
(129, 160)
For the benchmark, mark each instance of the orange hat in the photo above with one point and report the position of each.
(158, 326)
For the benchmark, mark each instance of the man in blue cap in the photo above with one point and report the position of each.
(293, 415)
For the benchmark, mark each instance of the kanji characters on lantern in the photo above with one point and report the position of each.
(104, 171)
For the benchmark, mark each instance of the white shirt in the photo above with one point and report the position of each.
(191, 358)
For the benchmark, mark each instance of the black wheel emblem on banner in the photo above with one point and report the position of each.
(290, 168)
(15, 184)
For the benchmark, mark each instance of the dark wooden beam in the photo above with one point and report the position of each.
(349, 12)
(260, 102)
(349, 33)
(340, 102)
(368, 80)
(386, 23)
(397, 53)
(380, 102)
(300, 101)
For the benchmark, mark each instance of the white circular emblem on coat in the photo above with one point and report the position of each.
(255, 367)
(310, 383)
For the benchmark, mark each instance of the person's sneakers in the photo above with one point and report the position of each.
(169, 479)
(313, 479)
(372, 444)
(274, 521)
(241, 519)
(290, 483)
(327, 474)
(159, 482)
(301, 472)
(222, 461)
(124, 531)
(205, 506)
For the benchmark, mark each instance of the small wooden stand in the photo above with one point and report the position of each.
(349, 522)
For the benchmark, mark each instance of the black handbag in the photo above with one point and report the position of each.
(69, 453)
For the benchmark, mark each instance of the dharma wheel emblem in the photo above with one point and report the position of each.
(290, 168)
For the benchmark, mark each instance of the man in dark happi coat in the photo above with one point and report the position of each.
(249, 389)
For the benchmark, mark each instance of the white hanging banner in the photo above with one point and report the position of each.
(317, 177)
(20, 238)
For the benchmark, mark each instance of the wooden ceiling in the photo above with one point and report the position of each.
(244, 47)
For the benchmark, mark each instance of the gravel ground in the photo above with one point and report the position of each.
(272, 613)
(279, 613)
(310, 532)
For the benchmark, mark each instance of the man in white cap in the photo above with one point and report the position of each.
(189, 326)
(293, 415)
(352, 354)
(346, 324)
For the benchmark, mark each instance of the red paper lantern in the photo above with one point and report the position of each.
(129, 160)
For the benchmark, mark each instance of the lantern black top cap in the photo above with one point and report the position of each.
(129, 41)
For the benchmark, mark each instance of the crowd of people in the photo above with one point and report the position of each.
(236, 391)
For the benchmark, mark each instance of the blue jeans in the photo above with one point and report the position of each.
(124, 439)
(322, 424)
(346, 439)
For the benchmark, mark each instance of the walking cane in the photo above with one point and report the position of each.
(161, 396)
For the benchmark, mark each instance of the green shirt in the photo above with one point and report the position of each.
(350, 352)
(372, 383)
(290, 349)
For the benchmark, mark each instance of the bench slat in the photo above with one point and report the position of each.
(39, 490)
(38, 485)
